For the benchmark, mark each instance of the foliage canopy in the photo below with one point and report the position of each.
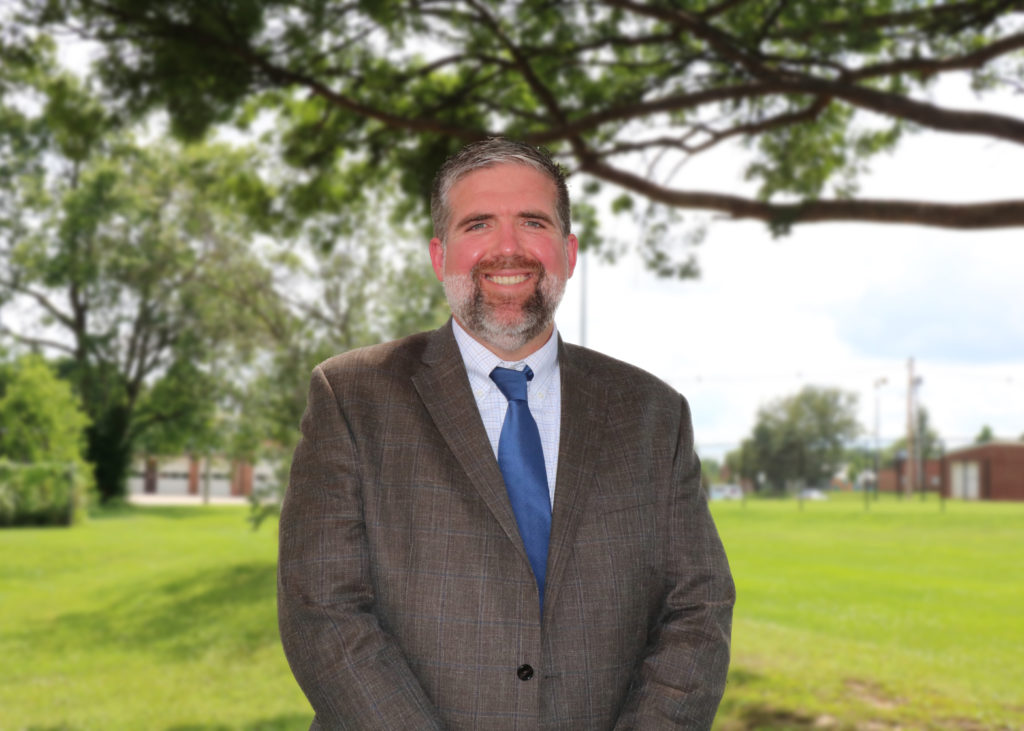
(623, 91)
(180, 286)
(115, 258)
(799, 440)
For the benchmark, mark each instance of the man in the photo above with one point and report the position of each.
(457, 554)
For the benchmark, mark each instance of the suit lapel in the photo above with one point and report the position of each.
(443, 386)
(584, 408)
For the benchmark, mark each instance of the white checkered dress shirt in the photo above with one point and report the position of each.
(543, 393)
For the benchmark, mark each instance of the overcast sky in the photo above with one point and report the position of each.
(837, 305)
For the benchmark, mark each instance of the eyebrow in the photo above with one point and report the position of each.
(479, 217)
(473, 218)
(539, 215)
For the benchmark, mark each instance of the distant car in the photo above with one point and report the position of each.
(726, 492)
(813, 493)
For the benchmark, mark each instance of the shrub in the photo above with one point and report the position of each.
(45, 493)
(44, 477)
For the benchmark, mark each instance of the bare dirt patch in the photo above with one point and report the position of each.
(872, 694)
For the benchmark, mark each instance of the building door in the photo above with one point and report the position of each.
(965, 477)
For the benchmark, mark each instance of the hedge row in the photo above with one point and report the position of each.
(44, 493)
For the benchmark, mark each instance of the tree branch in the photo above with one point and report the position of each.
(967, 62)
(523, 64)
(890, 104)
(993, 214)
(285, 77)
(716, 137)
(931, 16)
(927, 115)
(37, 342)
(42, 300)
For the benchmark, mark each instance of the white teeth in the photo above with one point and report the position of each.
(508, 280)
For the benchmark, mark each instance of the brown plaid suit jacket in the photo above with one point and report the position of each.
(406, 600)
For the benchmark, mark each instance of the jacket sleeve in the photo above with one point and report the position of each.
(681, 676)
(353, 673)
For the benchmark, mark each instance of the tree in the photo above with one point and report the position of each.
(188, 290)
(710, 472)
(799, 440)
(116, 257)
(624, 92)
(985, 435)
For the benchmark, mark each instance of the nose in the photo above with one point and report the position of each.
(508, 241)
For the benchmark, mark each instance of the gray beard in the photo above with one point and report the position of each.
(494, 325)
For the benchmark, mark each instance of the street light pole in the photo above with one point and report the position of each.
(913, 438)
(879, 382)
(919, 471)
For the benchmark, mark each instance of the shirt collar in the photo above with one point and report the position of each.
(480, 361)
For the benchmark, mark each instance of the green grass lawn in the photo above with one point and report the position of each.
(902, 616)
(163, 618)
(155, 618)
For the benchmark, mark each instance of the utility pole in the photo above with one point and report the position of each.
(879, 382)
(911, 460)
(922, 479)
(915, 458)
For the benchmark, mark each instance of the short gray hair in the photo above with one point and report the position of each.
(487, 153)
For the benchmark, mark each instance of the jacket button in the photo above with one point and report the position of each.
(525, 672)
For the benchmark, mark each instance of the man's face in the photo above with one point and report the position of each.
(505, 263)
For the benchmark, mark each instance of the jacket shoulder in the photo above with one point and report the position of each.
(396, 356)
(617, 374)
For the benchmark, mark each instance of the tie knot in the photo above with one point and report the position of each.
(512, 383)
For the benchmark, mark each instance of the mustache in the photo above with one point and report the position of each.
(517, 261)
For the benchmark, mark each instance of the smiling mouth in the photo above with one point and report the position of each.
(507, 278)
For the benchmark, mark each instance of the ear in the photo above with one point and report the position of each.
(572, 247)
(437, 257)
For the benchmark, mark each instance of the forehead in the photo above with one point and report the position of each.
(504, 184)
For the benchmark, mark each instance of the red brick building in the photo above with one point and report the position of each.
(894, 479)
(185, 475)
(991, 471)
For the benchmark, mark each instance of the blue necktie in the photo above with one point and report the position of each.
(521, 460)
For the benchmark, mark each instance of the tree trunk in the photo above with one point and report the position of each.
(110, 452)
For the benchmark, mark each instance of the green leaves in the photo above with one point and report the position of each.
(118, 257)
(191, 288)
(800, 440)
(201, 52)
(607, 85)
(42, 419)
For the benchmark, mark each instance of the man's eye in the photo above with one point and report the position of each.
(534, 224)
(477, 226)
